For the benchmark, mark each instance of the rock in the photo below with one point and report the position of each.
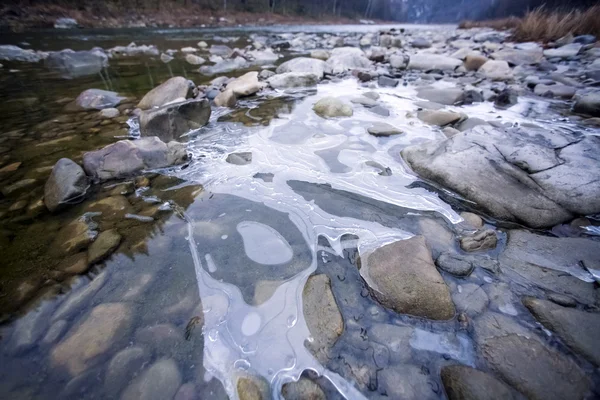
(265, 74)
(402, 277)
(470, 299)
(262, 57)
(225, 98)
(194, 59)
(114, 207)
(584, 39)
(562, 91)
(304, 389)
(331, 107)
(507, 192)
(474, 61)
(92, 337)
(220, 50)
(386, 81)
(173, 89)
(382, 129)
(250, 388)
(292, 80)
(122, 368)
(448, 96)
(534, 369)
(398, 61)
(74, 265)
(496, 70)
(577, 329)
(67, 184)
(473, 220)
(320, 54)
(364, 101)
(72, 238)
(439, 118)
(245, 85)
(19, 187)
(303, 65)
(103, 246)
(74, 64)
(481, 241)
(547, 262)
(322, 315)
(109, 113)
(170, 122)
(506, 99)
(561, 300)
(55, 332)
(454, 264)
(166, 58)
(97, 99)
(187, 391)
(406, 382)
(345, 61)
(239, 158)
(65, 23)
(133, 50)
(128, 157)
(449, 131)
(466, 383)
(427, 62)
(376, 54)
(28, 329)
(160, 381)
(420, 43)
(224, 66)
(520, 56)
(9, 52)
(76, 300)
(566, 51)
(588, 104)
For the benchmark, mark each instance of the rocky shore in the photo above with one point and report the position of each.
(449, 179)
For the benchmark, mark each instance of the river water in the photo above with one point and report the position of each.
(210, 287)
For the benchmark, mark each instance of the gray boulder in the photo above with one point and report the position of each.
(447, 96)
(520, 56)
(74, 64)
(304, 65)
(514, 174)
(8, 52)
(588, 104)
(496, 70)
(173, 89)
(466, 383)
(128, 157)
(246, 84)
(562, 91)
(578, 329)
(172, 121)
(402, 277)
(426, 62)
(346, 58)
(292, 80)
(67, 184)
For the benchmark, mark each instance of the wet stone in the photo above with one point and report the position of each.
(304, 389)
(122, 368)
(19, 187)
(470, 299)
(172, 89)
(322, 315)
(74, 237)
(473, 220)
(454, 264)
(405, 279)
(79, 298)
(160, 381)
(67, 184)
(250, 388)
(379, 110)
(239, 158)
(481, 241)
(103, 246)
(382, 129)
(386, 81)
(330, 107)
(466, 383)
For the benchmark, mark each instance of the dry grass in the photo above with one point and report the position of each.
(545, 26)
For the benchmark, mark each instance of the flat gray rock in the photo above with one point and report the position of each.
(466, 383)
(383, 129)
(303, 65)
(170, 122)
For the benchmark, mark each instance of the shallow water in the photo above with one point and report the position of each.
(213, 280)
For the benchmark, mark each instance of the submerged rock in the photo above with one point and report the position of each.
(481, 241)
(466, 383)
(160, 381)
(74, 64)
(577, 329)
(322, 315)
(534, 369)
(331, 107)
(454, 264)
(122, 368)
(402, 277)
(103, 246)
(97, 99)
(167, 92)
(170, 122)
(128, 157)
(92, 338)
(67, 184)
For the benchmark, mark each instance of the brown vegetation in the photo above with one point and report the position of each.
(544, 25)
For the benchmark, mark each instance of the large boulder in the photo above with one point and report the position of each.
(331, 107)
(322, 315)
(578, 329)
(74, 64)
(403, 277)
(8, 52)
(173, 89)
(172, 121)
(466, 383)
(426, 61)
(96, 99)
(293, 80)
(304, 65)
(515, 174)
(128, 157)
(496, 70)
(537, 371)
(346, 58)
(67, 184)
